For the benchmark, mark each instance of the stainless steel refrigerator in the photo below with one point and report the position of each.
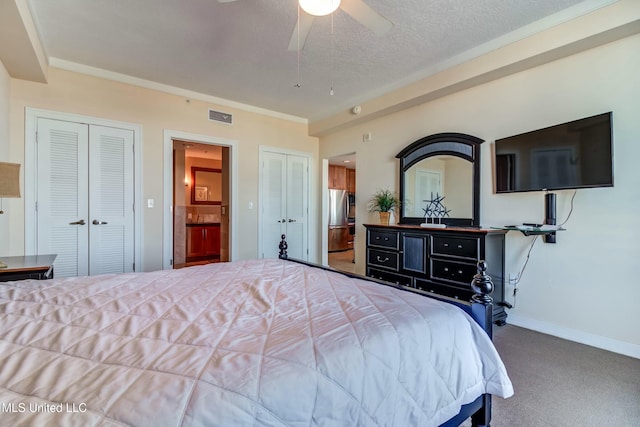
(338, 220)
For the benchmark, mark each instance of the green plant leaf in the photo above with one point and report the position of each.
(383, 201)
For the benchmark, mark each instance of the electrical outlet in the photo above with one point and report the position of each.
(509, 291)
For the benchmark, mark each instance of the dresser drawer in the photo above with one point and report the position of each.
(448, 291)
(384, 259)
(390, 277)
(383, 238)
(464, 247)
(451, 271)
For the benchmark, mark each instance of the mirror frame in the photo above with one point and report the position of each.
(195, 169)
(460, 145)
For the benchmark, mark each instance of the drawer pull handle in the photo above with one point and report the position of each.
(459, 271)
(446, 245)
(386, 238)
(382, 260)
(459, 246)
(446, 269)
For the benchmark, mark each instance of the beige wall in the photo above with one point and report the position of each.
(156, 111)
(8, 204)
(585, 287)
(4, 113)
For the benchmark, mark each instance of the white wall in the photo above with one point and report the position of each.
(585, 287)
(5, 248)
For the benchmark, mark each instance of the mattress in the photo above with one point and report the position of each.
(246, 343)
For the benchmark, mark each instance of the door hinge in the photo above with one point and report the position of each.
(36, 137)
(170, 262)
(134, 266)
(36, 206)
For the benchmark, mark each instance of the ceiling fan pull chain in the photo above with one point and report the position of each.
(297, 85)
(333, 56)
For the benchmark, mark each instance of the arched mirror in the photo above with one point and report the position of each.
(441, 173)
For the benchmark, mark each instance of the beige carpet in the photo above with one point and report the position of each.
(560, 383)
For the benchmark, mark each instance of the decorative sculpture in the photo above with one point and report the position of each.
(435, 209)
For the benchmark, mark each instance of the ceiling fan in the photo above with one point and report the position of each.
(357, 9)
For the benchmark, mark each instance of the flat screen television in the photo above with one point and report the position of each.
(576, 154)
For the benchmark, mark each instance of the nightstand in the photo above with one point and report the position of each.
(38, 267)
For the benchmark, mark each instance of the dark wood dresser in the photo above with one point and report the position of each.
(442, 261)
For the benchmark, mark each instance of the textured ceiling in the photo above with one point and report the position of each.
(238, 50)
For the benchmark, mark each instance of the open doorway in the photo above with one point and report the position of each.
(342, 212)
(201, 201)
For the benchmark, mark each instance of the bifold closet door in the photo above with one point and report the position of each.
(111, 227)
(285, 200)
(297, 202)
(85, 197)
(63, 195)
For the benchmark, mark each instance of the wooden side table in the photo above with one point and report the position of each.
(38, 267)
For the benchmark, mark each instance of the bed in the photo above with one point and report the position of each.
(268, 342)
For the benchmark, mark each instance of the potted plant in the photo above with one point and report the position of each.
(384, 202)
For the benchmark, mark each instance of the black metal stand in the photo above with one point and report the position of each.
(550, 215)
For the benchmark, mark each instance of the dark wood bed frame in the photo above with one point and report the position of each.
(479, 308)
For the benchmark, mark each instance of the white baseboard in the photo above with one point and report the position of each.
(621, 347)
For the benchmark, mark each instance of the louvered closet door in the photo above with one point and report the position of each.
(285, 199)
(110, 200)
(85, 197)
(63, 190)
(274, 209)
(428, 185)
(297, 205)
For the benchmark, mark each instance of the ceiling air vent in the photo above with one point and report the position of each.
(219, 116)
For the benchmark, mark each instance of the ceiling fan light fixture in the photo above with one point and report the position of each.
(319, 7)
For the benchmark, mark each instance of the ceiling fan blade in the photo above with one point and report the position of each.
(301, 31)
(362, 12)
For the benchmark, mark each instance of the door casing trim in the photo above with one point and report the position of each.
(167, 229)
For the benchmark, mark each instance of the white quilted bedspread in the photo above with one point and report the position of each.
(248, 343)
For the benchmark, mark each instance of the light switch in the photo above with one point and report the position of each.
(250, 205)
(150, 203)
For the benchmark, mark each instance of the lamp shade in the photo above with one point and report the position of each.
(319, 7)
(9, 179)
